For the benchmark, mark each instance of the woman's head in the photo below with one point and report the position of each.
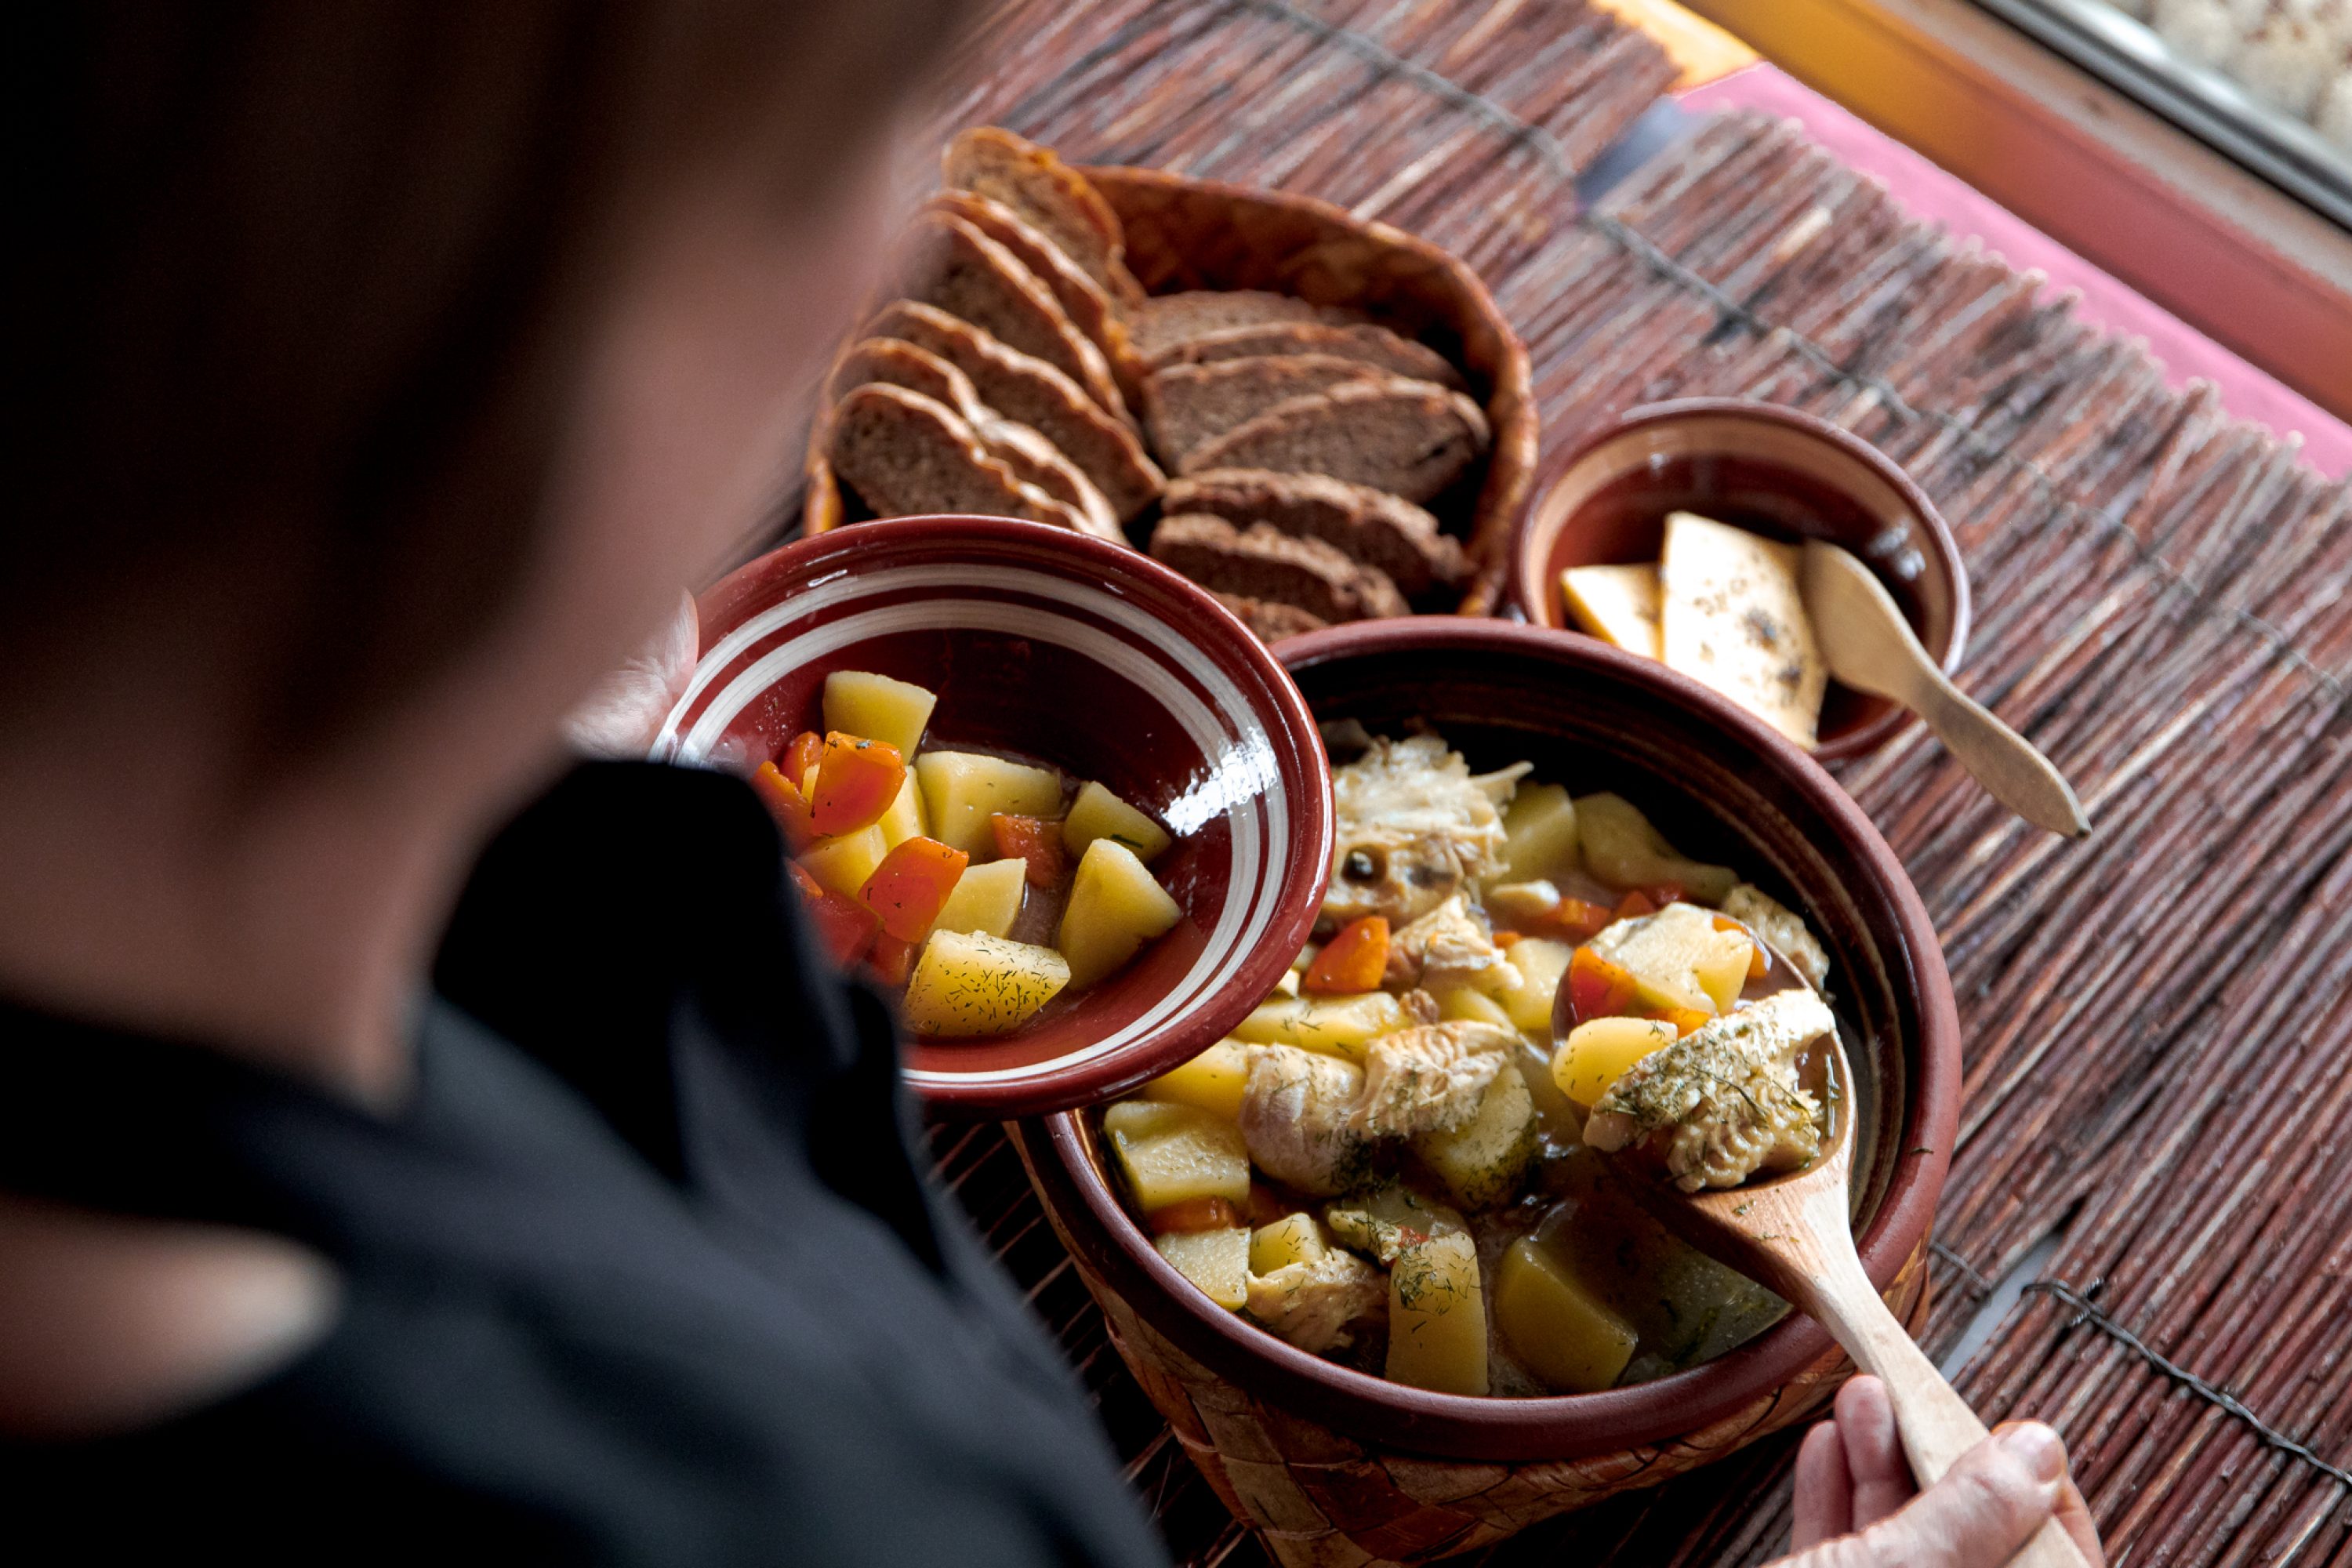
(385, 371)
(362, 299)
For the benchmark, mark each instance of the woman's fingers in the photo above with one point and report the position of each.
(1824, 1501)
(1874, 1452)
(1987, 1507)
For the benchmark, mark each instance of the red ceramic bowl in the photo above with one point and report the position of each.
(1781, 473)
(1722, 786)
(1093, 658)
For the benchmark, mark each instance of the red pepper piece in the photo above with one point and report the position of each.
(856, 780)
(1352, 961)
(1194, 1214)
(1035, 840)
(1634, 905)
(892, 960)
(911, 884)
(1597, 988)
(844, 928)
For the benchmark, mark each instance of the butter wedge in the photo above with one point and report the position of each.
(1616, 603)
(1732, 617)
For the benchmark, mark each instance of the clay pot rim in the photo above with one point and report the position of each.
(1574, 1426)
(1947, 579)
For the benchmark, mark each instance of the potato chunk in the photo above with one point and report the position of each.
(1293, 1238)
(1678, 959)
(968, 984)
(1334, 1025)
(1621, 849)
(1437, 1316)
(1539, 831)
(987, 899)
(1212, 1080)
(859, 703)
(1172, 1152)
(1462, 1003)
(1542, 963)
(905, 817)
(844, 863)
(1598, 1051)
(1566, 1336)
(1484, 1161)
(1099, 814)
(962, 790)
(1215, 1261)
(1115, 908)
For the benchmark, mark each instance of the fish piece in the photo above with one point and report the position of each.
(1413, 825)
(1446, 947)
(1321, 1305)
(1723, 1103)
(1430, 1078)
(1298, 1118)
(1782, 929)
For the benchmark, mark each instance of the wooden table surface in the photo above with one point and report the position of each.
(2146, 1239)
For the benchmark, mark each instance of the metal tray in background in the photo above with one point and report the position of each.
(2129, 56)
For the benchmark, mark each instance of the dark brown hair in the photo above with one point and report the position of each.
(302, 282)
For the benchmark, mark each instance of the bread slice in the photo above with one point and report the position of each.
(1165, 321)
(906, 455)
(1732, 617)
(1408, 438)
(1080, 297)
(1368, 525)
(1034, 459)
(1262, 562)
(1187, 405)
(1051, 197)
(1025, 388)
(1361, 341)
(1618, 605)
(1268, 621)
(951, 264)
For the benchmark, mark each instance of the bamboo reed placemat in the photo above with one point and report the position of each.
(2157, 1143)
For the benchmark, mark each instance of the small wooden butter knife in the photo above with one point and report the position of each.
(1869, 646)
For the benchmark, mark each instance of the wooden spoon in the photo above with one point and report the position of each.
(1792, 1234)
(1870, 647)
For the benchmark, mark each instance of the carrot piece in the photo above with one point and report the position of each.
(1352, 961)
(786, 804)
(856, 780)
(1196, 1214)
(1686, 1020)
(801, 757)
(1597, 988)
(1035, 840)
(911, 886)
(1759, 957)
(1634, 905)
(1576, 919)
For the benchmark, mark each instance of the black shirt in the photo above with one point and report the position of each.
(642, 1270)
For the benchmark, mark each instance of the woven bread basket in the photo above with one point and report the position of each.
(1184, 233)
(1319, 1497)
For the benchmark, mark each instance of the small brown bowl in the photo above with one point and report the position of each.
(1305, 1450)
(1783, 474)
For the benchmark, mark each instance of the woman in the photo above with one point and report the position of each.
(388, 368)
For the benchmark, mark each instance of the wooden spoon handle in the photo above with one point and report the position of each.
(1936, 1423)
(2003, 760)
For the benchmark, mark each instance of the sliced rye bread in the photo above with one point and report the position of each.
(1267, 621)
(1050, 195)
(1369, 525)
(1164, 321)
(1080, 297)
(951, 264)
(1361, 340)
(1025, 388)
(906, 454)
(1261, 562)
(893, 362)
(1188, 405)
(1407, 437)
